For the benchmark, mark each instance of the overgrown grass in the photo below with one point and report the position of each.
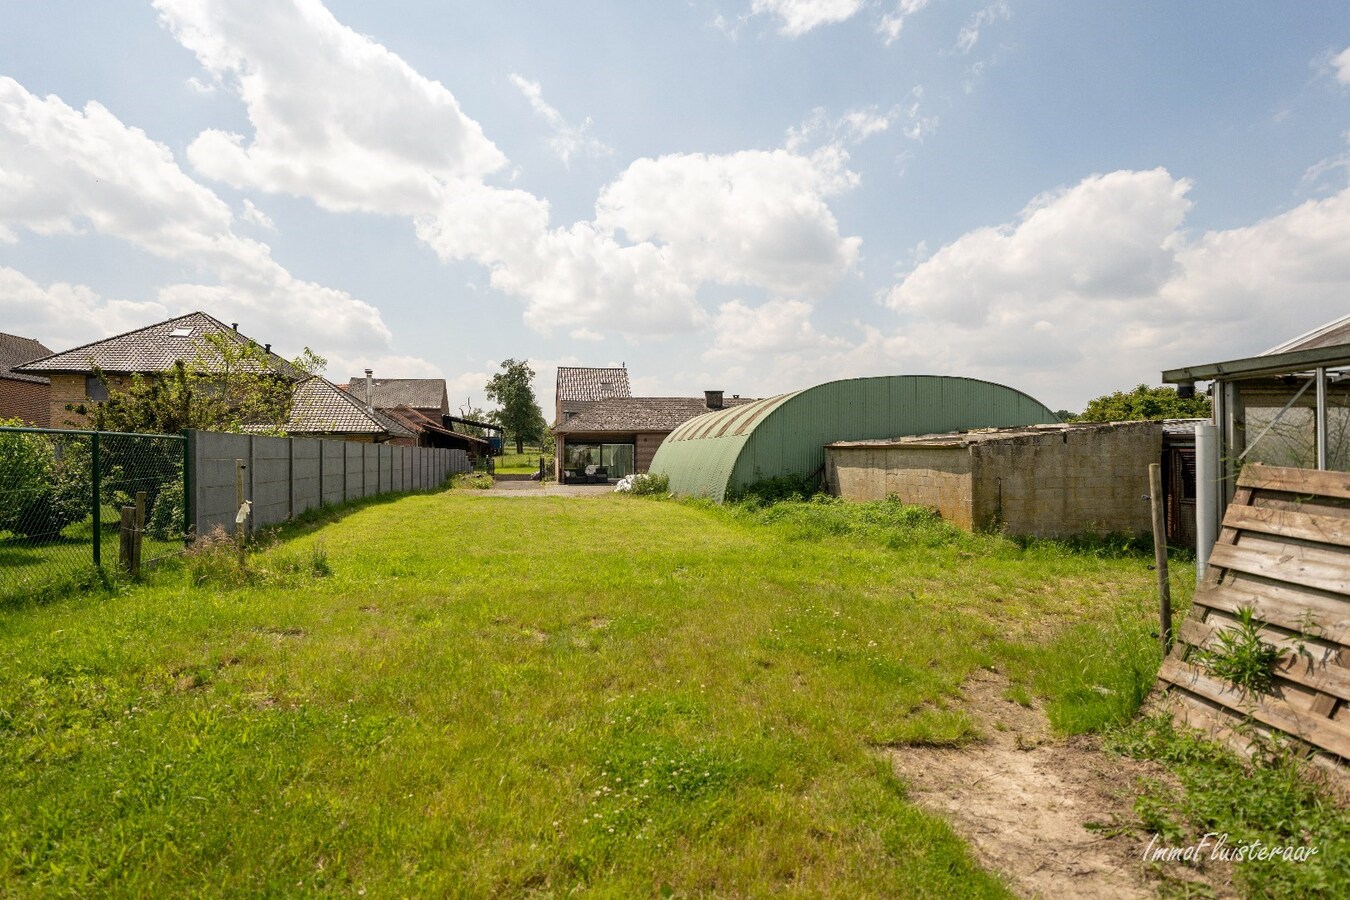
(454, 693)
(1269, 799)
(512, 463)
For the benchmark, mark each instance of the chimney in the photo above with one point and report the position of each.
(267, 348)
(370, 387)
(234, 325)
(712, 399)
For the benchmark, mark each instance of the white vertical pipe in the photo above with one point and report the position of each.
(1321, 422)
(1206, 495)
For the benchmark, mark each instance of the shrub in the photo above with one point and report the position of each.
(1240, 657)
(46, 483)
(768, 491)
(165, 522)
(476, 480)
(644, 485)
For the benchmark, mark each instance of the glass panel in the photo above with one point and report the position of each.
(618, 458)
(579, 456)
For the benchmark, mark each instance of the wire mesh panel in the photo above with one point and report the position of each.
(61, 495)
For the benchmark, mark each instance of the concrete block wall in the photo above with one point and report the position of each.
(1065, 483)
(286, 476)
(1056, 483)
(936, 477)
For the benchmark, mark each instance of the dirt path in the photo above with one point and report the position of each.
(1024, 800)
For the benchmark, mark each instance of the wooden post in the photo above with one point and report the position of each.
(1156, 500)
(125, 552)
(239, 505)
(137, 531)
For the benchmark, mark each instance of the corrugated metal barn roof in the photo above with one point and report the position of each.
(725, 451)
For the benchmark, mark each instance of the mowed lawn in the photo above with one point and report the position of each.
(504, 696)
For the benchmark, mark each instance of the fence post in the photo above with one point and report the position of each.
(126, 547)
(138, 528)
(98, 504)
(189, 486)
(1160, 556)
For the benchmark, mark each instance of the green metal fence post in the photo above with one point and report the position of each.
(98, 505)
(189, 494)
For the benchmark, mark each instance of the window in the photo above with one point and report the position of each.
(95, 389)
(616, 458)
(181, 332)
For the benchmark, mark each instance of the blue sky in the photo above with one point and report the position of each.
(755, 196)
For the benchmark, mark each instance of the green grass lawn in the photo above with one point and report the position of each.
(510, 462)
(504, 696)
(31, 568)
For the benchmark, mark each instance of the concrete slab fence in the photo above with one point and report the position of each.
(286, 476)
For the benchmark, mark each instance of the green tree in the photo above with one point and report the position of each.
(1144, 403)
(44, 482)
(519, 415)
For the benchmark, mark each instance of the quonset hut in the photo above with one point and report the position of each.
(728, 450)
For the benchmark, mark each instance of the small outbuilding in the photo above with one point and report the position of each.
(1039, 481)
(723, 452)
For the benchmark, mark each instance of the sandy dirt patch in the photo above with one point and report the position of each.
(1054, 817)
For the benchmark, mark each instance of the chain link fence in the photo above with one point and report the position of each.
(61, 498)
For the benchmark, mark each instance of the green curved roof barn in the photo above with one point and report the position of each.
(724, 451)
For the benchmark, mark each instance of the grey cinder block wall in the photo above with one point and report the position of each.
(286, 476)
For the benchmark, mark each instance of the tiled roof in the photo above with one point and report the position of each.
(321, 407)
(15, 351)
(1332, 334)
(154, 348)
(386, 393)
(575, 383)
(628, 414)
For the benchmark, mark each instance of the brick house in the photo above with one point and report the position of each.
(319, 407)
(22, 396)
(604, 433)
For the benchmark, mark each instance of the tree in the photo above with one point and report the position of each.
(519, 415)
(45, 480)
(1144, 403)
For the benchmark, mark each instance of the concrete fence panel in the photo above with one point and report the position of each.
(270, 478)
(354, 486)
(283, 477)
(305, 481)
(213, 478)
(333, 471)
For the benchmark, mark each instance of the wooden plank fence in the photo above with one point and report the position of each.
(1284, 553)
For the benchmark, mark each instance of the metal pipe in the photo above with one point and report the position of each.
(1206, 495)
(1321, 423)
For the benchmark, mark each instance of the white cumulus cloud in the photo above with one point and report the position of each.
(1101, 279)
(797, 17)
(776, 327)
(68, 171)
(342, 120)
(337, 117)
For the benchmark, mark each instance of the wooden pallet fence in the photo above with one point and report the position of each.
(1284, 553)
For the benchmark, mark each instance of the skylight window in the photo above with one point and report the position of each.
(181, 332)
